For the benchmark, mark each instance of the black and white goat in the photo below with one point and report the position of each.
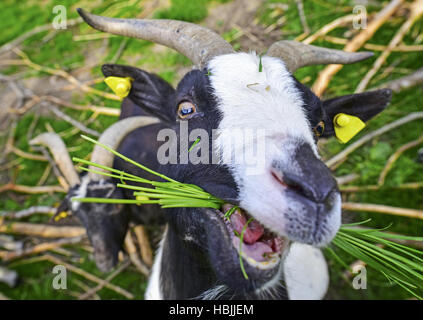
(294, 200)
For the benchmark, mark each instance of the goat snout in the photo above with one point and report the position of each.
(306, 175)
(311, 195)
(317, 191)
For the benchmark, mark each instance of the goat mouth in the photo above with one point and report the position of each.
(257, 245)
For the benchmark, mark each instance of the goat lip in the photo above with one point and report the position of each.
(260, 248)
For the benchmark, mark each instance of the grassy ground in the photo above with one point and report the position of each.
(62, 51)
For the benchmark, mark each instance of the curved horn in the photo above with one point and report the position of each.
(60, 155)
(112, 137)
(296, 54)
(196, 43)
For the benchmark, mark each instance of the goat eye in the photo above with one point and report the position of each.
(186, 109)
(319, 129)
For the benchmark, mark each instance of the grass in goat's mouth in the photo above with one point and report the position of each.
(398, 263)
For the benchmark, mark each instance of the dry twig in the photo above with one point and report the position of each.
(416, 13)
(41, 230)
(377, 47)
(133, 255)
(113, 275)
(329, 27)
(61, 73)
(144, 244)
(16, 42)
(394, 157)
(406, 82)
(28, 212)
(356, 43)
(369, 207)
(88, 276)
(42, 247)
(30, 189)
(404, 186)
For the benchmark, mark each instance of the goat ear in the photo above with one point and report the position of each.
(148, 91)
(362, 105)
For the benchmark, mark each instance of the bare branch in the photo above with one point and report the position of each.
(356, 43)
(406, 82)
(416, 13)
(395, 157)
(41, 230)
(369, 207)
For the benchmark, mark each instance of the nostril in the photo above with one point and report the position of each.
(279, 179)
(291, 182)
(318, 191)
(299, 185)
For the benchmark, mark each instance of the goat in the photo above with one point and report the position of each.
(294, 200)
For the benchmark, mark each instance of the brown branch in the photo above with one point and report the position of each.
(37, 99)
(27, 155)
(41, 230)
(10, 277)
(45, 175)
(394, 157)
(133, 255)
(88, 276)
(303, 19)
(73, 122)
(404, 186)
(377, 47)
(369, 207)
(101, 110)
(56, 170)
(8, 243)
(347, 178)
(356, 43)
(86, 288)
(3, 297)
(46, 27)
(30, 189)
(144, 244)
(343, 154)
(94, 290)
(329, 27)
(42, 247)
(65, 75)
(403, 83)
(416, 13)
(28, 212)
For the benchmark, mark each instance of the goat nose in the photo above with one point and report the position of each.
(318, 190)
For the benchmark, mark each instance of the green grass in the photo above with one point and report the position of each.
(62, 52)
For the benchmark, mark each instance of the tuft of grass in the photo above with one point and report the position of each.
(400, 264)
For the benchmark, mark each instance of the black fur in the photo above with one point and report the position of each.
(207, 259)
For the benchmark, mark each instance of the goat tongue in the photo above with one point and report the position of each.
(254, 229)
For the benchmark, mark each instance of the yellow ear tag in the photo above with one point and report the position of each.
(347, 126)
(61, 216)
(120, 86)
(141, 198)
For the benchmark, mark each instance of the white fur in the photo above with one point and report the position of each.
(154, 291)
(81, 192)
(268, 101)
(306, 273)
(213, 293)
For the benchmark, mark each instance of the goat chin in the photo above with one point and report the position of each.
(305, 272)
